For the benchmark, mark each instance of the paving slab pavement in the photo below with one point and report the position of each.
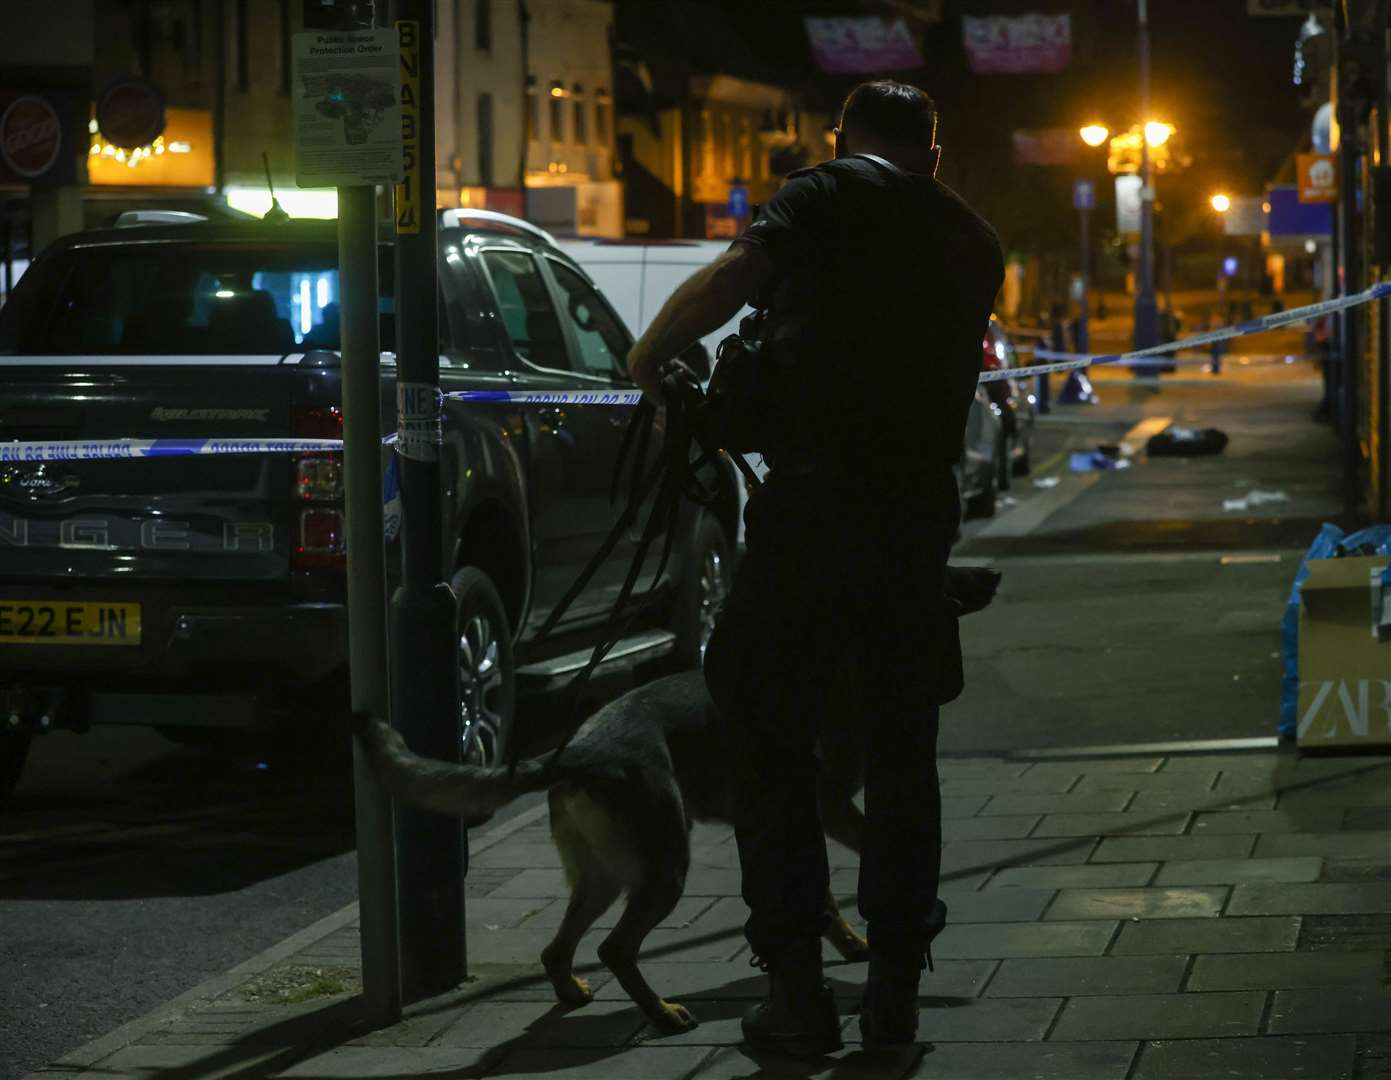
(1217, 950)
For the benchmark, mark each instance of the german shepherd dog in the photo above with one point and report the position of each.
(623, 797)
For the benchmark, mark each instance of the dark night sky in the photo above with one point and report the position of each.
(1221, 75)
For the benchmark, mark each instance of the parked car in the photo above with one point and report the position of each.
(1013, 401)
(221, 579)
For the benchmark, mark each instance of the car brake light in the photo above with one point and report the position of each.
(318, 478)
(319, 539)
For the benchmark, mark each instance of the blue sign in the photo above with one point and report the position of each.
(1083, 195)
(738, 201)
(1229, 266)
(1290, 217)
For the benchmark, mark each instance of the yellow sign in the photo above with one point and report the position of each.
(61, 622)
(408, 192)
(182, 156)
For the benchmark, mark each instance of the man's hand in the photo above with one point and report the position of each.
(645, 367)
(706, 300)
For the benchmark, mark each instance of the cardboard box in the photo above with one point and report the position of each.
(1344, 659)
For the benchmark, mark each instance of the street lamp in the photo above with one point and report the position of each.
(1094, 134)
(1157, 132)
(1221, 203)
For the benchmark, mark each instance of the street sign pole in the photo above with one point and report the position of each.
(1084, 198)
(1146, 332)
(367, 661)
(431, 853)
(340, 46)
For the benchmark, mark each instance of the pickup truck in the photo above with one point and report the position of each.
(201, 594)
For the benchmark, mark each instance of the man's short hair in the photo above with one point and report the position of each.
(891, 112)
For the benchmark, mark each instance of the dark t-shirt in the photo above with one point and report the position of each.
(884, 287)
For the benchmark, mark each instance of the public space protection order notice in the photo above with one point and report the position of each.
(347, 106)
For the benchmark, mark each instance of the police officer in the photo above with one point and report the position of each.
(879, 283)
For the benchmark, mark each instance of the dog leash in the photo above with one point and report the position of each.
(675, 474)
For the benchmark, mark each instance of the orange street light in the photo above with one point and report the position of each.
(1094, 134)
(1157, 133)
(1221, 203)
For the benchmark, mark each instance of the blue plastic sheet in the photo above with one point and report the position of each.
(1325, 546)
(1330, 543)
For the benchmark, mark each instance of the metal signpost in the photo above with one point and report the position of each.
(1084, 200)
(347, 134)
(1146, 310)
(431, 849)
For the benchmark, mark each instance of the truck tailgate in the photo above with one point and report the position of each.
(203, 518)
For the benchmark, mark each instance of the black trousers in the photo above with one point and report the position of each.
(839, 579)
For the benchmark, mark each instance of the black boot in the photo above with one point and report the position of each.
(889, 1009)
(799, 1015)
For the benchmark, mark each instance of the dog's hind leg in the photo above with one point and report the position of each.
(652, 902)
(658, 836)
(843, 822)
(593, 889)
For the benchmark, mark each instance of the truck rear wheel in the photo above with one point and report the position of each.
(705, 580)
(14, 751)
(486, 671)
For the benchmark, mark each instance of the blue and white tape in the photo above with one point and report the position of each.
(115, 449)
(550, 397)
(1062, 361)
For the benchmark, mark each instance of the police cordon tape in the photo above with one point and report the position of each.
(1072, 361)
(120, 449)
(124, 449)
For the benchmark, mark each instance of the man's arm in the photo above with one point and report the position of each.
(706, 300)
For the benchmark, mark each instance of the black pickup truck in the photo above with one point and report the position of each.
(203, 593)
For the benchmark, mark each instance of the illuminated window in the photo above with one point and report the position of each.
(485, 139)
(557, 132)
(601, 115)
(483, 24)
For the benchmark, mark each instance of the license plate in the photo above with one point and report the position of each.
(60, 622)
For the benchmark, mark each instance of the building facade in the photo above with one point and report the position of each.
(525, 119)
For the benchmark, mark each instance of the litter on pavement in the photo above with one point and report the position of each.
(1253, 498)
(1176, 441)
(1097, 461)
(1048, 481)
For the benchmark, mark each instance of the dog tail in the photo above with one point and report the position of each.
(471, 792)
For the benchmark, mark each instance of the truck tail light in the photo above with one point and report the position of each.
(318, 540)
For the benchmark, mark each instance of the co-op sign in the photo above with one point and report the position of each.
(33, 143)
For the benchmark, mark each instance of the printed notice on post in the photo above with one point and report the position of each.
(346, 100)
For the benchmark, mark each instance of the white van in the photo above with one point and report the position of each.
(637, 276)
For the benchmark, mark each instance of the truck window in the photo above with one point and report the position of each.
(525, 306)
(603, 341)
(187, 299)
